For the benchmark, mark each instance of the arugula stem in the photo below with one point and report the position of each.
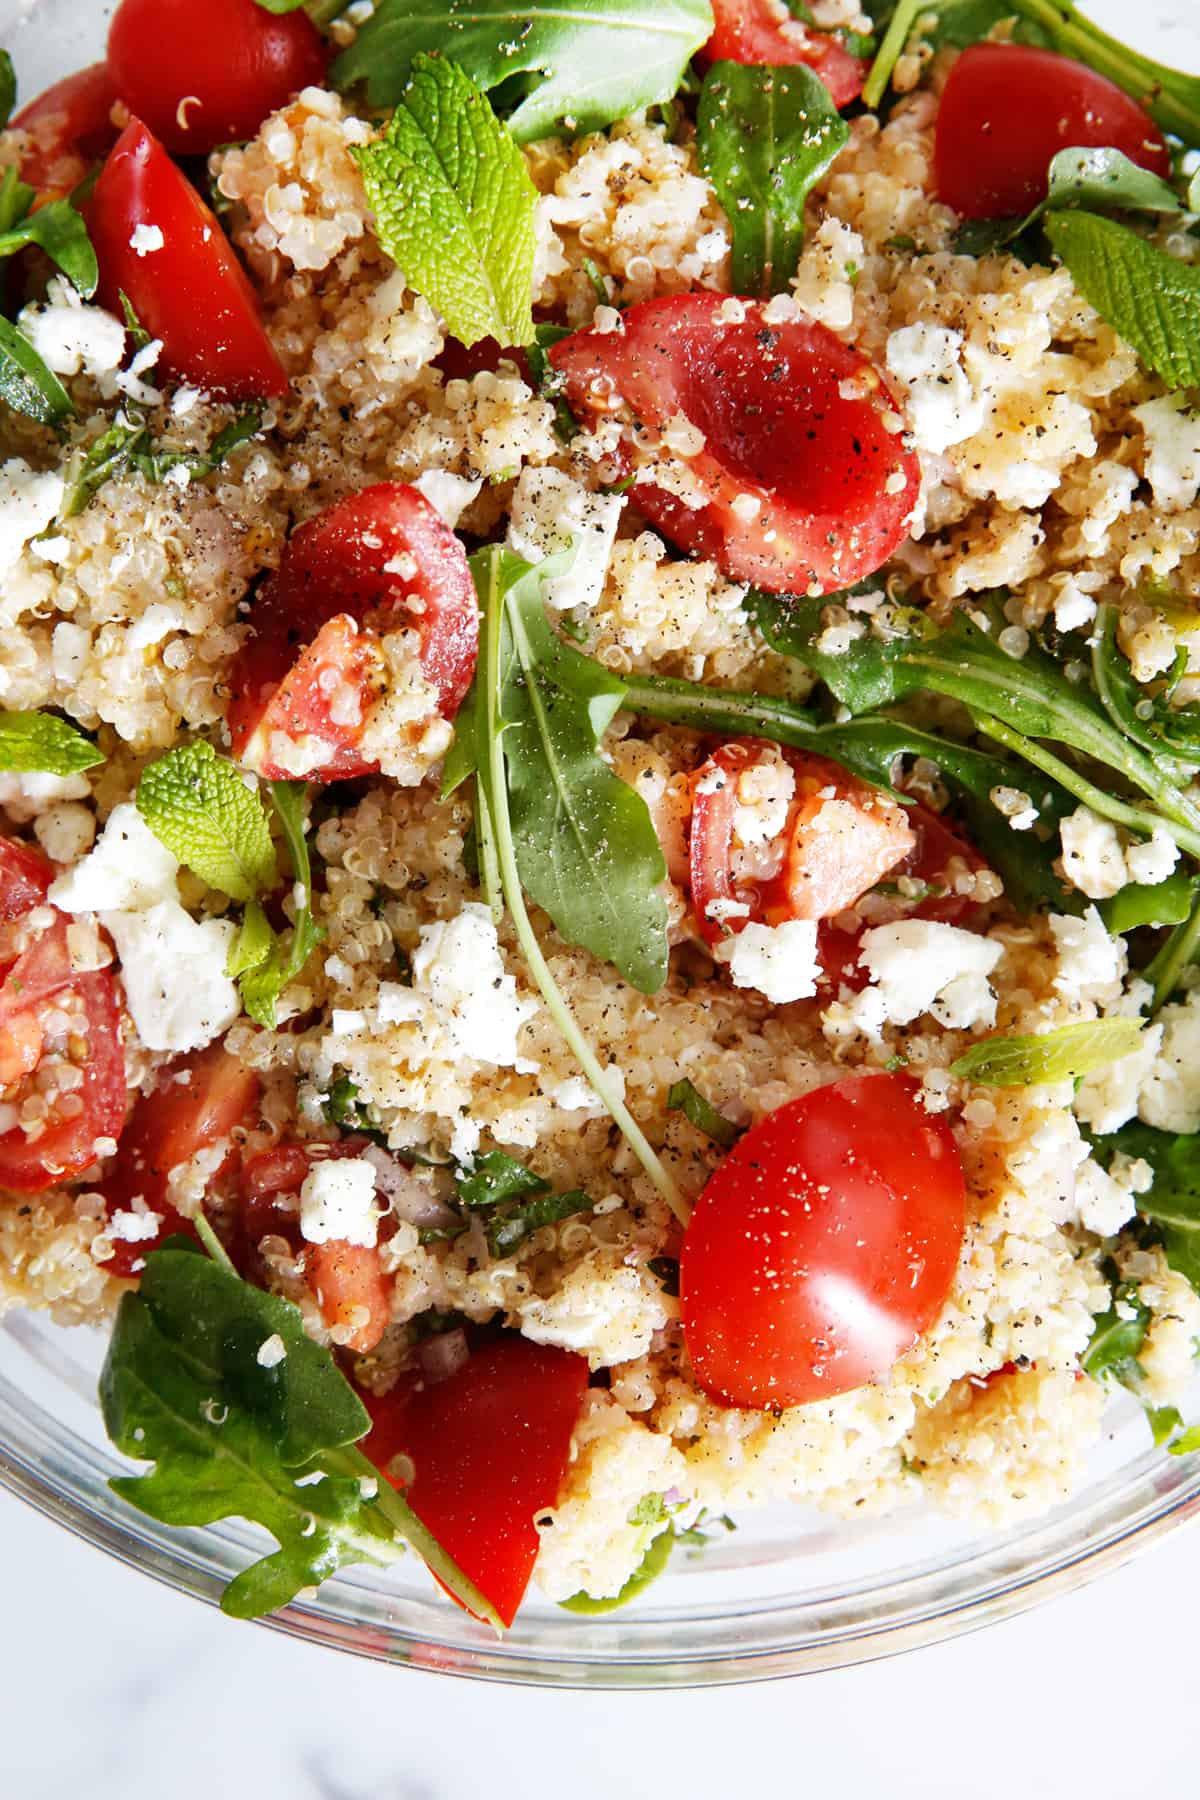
(213, 1244)
(891, 49)
(489, 865)
(1180, 950)
(718, 709)
(1137, 74)
(1119, 812)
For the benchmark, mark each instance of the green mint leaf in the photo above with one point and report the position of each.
(1151, 300)
(1171, 97)
(586, 848)
(253, 943)
(1051, 1056)
(40, 743)
(8, 88)
(454, 204)
(197, 804)
(701, 1113)
(60, 231)
(496, 1178)
(26, 384)
(588, 61)
(654, 1561)
(765, 137)
(262, 985)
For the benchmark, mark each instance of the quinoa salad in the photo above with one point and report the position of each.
(599, 821)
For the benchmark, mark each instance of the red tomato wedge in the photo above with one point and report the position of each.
(25, 877)
(823, 1245)
(489, 1448)
(312, 667)
(68, 128)
(40, 985)
(203, 76)
(795, 423)
(1008, 109)
(194, 1103)
(841, 837)
(763, 31)
(190, 291)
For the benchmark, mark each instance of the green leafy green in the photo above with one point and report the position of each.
(1143, 714)
(496, 1177)
(586, 848)
(683, 1097)
(578, 64)
(517, 1201)
(1059, 1055)
(198, 805)
(8, 88)
(655, 1559)
(60, 231)
(1166, 902)
(1172, 1206)
(1117, 1338)
(342, 1108)
(26, 384)
(16, 197)
(454, 204)
(765, 137)
(1106, 180)
(1152, 300)
(900, 27)
(183, 1388)
(253, 943)
(127, 446)
(263, 984)
(1187, 1443)
(36, 742)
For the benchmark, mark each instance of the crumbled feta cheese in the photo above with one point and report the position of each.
(159, 619)
(24, 797)
(921, 965)
(448, 494)
(146, 239)
(943, 407)
(1104, 1200)
(133, 1227)
(271, 1352)
(764, 794)
(1073, 609)
(779, 960)
(71, 338)
(1091, 959)
(1152, 860)
(1170, 1096)
(128, 869)
(549, 510)
(458, 966)
(1172, 462)
(337, 1203)
(66, 832)
(1093, 859)
(28, 503)
(1108, 1098)
(173, 969)
(607, 1313)
(577, 1095)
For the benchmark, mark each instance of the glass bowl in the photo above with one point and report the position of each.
(790, 1592)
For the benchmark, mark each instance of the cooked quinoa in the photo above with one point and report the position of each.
(1045, 471)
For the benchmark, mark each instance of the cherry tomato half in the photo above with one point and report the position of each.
(158, 243)
(489, 1448)
(311, 668)
(25, 877)
(841, 836)
(194, 1103)
(42, 982)
(1008, 109)
(823, 1245)
(206, 75)
(762, 31)
(793, 420)
(68, 128)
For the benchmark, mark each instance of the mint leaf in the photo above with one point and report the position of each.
(40, 743)
(262, 985)
(588, 62)
(26, 384)
(1150, 299)
(518, 1201)
(1050, 1056)
(454, 204)
(60, 231)
(683, 1097)
(765, 137)
(197, 804)
(253, 944)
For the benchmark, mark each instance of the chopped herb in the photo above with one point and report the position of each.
(1062, 1055)
(701, 1113)
(37, 742)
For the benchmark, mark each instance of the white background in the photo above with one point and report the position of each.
(113, 1687)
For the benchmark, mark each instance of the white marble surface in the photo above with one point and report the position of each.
(114, 1687)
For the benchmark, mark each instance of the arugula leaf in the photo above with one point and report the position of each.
(1144, 715)
(197, 804)
(35, 742)
(496, 1178)
(588, 61)
(765, 137)
(1172, 1205)
(1049, 1056)
(26, 384)
(1106, 179)
(60, 231)
(8, 88)
(1113, 1348)
(454, 204)
(1150, 299)
(1171, 97)
(128, 446)
(683, 1097)
(585, 845)
(1167, 902)
(182, 1387)
(16, 197)
(862, 674)
(654, 1561)
(262, 985)
(518, 1201)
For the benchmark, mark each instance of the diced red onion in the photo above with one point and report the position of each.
(442, 1355)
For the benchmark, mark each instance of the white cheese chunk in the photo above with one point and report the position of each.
(1172, 462)
(779, 960)
(458, 967)
(1091, 959)
(943, 407)
(337, 1202)
(1106, 1200)
(549, 509)
(1093, 857)
(448, 494)
(28, 503)
(1170, 1096)
(1109, 1097)
(71, 338)
(921, 965)
(1152, 859)
(173, 969)
(25, 797)
(128, 869)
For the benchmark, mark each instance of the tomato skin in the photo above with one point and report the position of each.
(791, 417)
(331, 591)
(752, 31)
(345, 1278)
(25, 877)
(490, 1447)
(194, 1103)
(68, 1144)
(69, 127)
(232, 59)
(192, 293)
(1007, 109)
(823, 1245)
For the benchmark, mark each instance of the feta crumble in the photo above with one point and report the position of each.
(1093, 857)
(146, 239)
(337, 1203)
(779, 960)
(458, 967)
(549, 509)
(921, 965)
(943, 407)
